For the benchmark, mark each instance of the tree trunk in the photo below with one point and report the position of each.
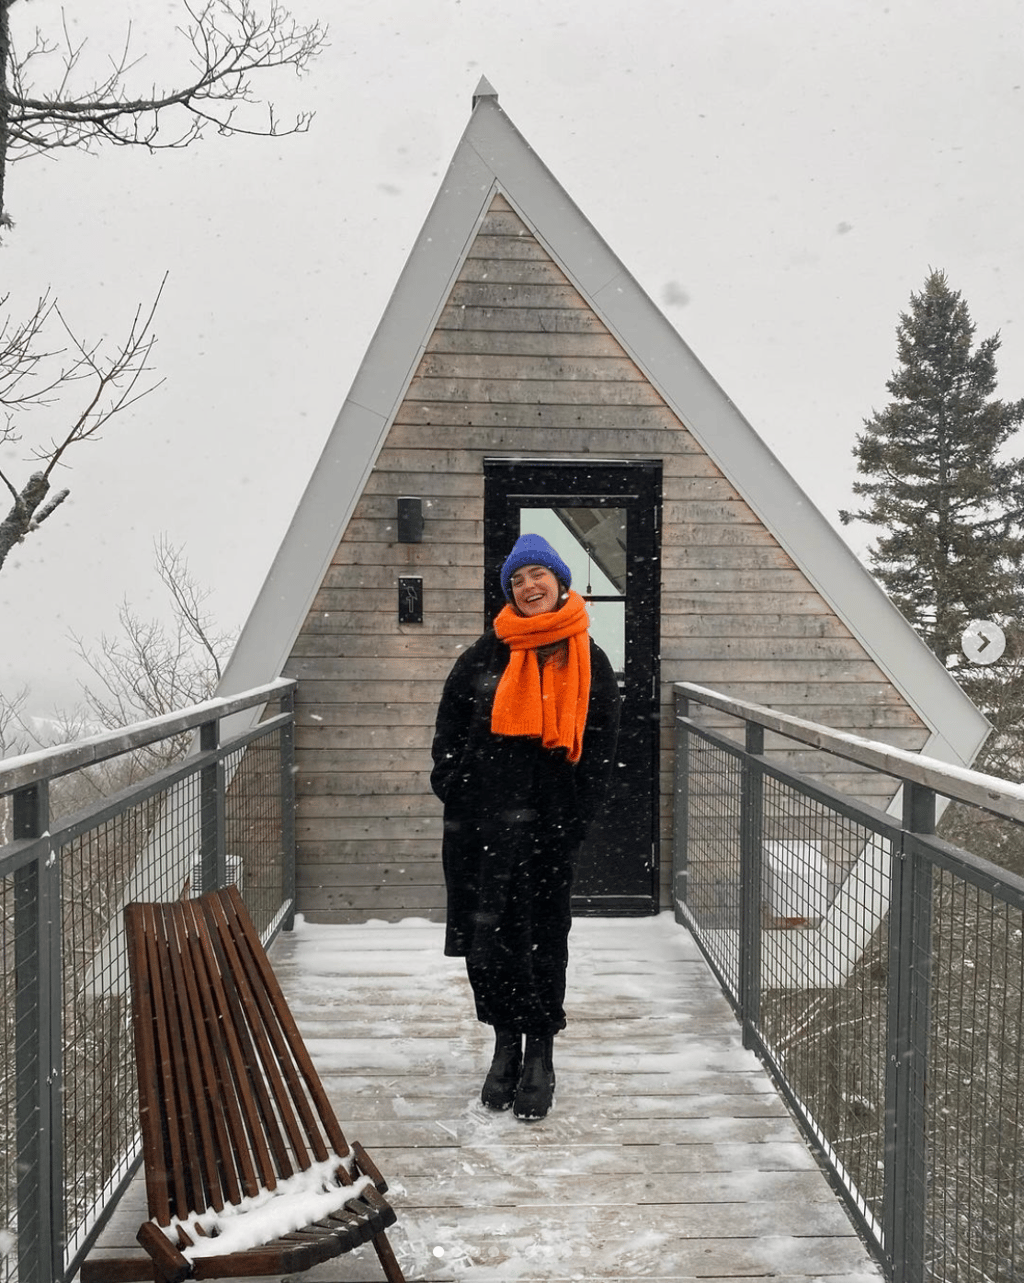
(18, 522)
(5, 50)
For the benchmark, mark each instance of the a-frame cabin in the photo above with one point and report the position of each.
(520, 379)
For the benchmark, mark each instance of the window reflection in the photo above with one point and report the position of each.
(592, 542)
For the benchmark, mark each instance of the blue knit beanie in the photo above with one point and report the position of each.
(532, 550)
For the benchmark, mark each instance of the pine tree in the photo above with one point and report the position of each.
(942, 489)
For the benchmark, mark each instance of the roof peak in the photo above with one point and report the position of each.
(484, 90)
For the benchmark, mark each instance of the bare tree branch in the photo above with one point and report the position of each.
(227, 42)
(189, 601)
(150, 668)
(15, 736)
(20, 359)
(32, 376)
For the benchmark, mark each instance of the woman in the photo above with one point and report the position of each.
(523, 749)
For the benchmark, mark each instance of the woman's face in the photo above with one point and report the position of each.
(535, 590)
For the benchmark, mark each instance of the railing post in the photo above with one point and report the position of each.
(906, 1156)
(288, 810)
(680, 805)
(751, 839)
(213, 854)
(38, 1047)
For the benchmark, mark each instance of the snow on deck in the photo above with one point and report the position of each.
(668, 1154)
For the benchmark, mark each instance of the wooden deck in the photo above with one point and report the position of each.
(668, 1154)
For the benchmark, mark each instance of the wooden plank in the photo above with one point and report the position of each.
(312, 691)
(502, 245)
(683, 489)
(362, 714)
(526, 343)
(346, 800)
(726, 674)
(526, 314)
(340, 916)
(357, 599)
(367, 762)
(706, 600)
(358, 851)
(383, 621)
(405, 900)
(803, 699)
(535, 391)
(377, 828)
(666, 429)
(392, 477)
(406, 556)
(392, 875)
(766, 650)
(687, 533)
(368, 670)
(733, 584)
(361, 805)
(763, 554)
(384, 644)
(436, 508)
(763, 626)
(509, 296)
(384, 530)
(852, 717)
(416, 559)
(352, 793)
(363, 738)
(500, 221)
(579, 434)
(513, 271)
(524, 369)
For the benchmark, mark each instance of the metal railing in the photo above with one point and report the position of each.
(68, 1111)
(877, 971)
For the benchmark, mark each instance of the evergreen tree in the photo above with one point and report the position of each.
(941, 487)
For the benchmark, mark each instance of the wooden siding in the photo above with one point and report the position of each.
(520, 365)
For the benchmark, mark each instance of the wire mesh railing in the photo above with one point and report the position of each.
(973, 1198)
(68, 1110)
(877, 970)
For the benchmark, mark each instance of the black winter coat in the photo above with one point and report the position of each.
(515, 812)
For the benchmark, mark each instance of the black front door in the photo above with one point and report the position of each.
(604, 518)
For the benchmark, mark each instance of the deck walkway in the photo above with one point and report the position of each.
(668, 1154)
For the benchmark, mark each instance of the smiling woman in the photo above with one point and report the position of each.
(535, 590)
(523, 748)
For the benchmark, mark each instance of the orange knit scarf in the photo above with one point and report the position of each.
(550, 703)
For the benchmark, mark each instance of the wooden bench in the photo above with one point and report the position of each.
(247, 1170)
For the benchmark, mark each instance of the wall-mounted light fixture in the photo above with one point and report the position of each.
(410, 520)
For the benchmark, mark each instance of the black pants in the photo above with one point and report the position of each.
(517, 967)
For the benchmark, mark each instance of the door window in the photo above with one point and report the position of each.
(592, 542)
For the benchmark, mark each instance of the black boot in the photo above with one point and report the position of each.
(499, 1087)
(536, 1090)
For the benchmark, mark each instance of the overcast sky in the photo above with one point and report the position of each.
(778, 176)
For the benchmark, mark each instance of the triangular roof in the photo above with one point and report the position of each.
(493, 158)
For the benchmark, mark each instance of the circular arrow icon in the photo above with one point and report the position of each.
(983, 641)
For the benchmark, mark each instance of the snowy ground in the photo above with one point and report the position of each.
(668, 1154)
